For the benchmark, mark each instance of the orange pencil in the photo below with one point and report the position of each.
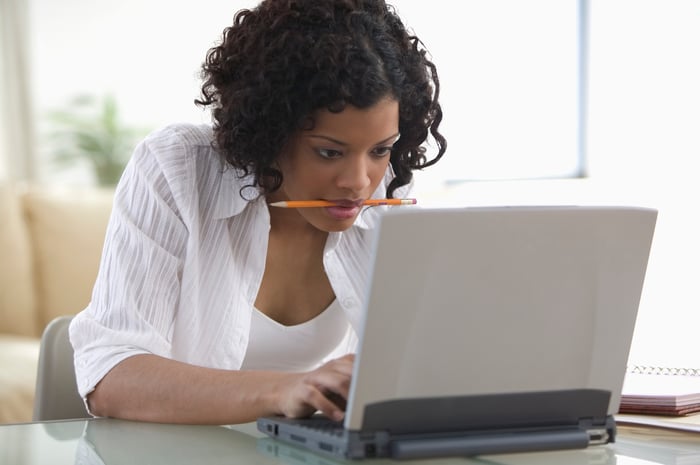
(325, 203)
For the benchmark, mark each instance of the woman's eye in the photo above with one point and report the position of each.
(329, 153)
(382, 151)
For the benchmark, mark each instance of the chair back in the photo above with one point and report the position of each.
(56, 396)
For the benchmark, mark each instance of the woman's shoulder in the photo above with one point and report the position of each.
(181, 155)
(179, 148)
(181, 134)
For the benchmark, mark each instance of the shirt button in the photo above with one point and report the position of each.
(349, 302)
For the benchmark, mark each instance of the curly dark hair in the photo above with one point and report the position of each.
(284, 59)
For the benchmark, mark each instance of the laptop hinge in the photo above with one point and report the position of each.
(582, 408)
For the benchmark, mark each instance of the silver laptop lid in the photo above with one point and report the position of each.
(500, 300)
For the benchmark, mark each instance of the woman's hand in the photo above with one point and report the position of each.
(324, 389)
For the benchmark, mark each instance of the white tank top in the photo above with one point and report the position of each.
(302, 347)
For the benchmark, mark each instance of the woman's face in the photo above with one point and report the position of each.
(343, 158)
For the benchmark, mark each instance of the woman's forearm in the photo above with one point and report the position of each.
(153, 388)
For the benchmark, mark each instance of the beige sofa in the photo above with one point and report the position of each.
(50, 246)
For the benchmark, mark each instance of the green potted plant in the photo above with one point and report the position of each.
(91, 129)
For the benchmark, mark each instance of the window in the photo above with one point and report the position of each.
(511, 74)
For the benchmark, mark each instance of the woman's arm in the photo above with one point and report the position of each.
(152, 388)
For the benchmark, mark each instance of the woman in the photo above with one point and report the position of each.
(211, 306)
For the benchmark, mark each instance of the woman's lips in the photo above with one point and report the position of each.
(344, 209)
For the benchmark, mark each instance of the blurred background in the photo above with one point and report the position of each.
(545, 102)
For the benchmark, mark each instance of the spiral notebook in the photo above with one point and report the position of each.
(661, 391)
(489, 330)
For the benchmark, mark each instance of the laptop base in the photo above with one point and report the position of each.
(332, 440)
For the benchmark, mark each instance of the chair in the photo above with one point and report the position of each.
(56, 396)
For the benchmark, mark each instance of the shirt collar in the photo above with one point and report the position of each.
(233, 196)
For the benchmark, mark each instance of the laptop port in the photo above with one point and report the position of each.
(598, 436)
(370, 450)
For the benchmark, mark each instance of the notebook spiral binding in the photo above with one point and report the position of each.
(668, 371)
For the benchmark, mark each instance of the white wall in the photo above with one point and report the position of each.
(146, 52)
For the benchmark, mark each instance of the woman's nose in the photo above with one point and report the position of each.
(354, 174)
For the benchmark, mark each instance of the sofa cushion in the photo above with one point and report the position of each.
(67, 228)
(18, 359)
(18, 313)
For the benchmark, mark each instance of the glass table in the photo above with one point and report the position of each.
(109, 442)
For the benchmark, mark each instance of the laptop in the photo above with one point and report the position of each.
(489, 330)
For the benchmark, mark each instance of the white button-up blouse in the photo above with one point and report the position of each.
(183, 259)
